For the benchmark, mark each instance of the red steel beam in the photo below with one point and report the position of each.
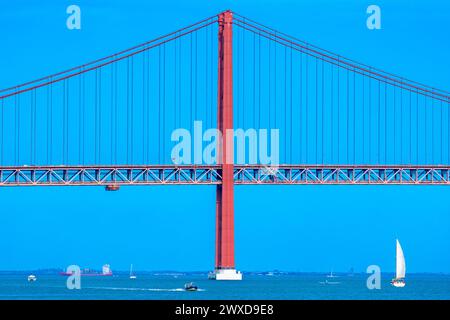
(225, 191)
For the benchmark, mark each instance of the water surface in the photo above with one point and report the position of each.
(295, 286)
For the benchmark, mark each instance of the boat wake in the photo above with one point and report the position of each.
(329, 282)
(142, 289)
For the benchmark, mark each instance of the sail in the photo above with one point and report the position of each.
(400, 266)
(131, 270)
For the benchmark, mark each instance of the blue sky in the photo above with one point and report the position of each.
(297, 228)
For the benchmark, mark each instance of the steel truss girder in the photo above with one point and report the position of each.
(341, 174)
(204, 175)
(107, 175)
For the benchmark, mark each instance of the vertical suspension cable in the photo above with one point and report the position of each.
(238, 76)
(379, 122)
(112, 112)
(83, 111)
(31, 125)
(331, 114)
(347, 124)
(442, 133)
(275, 85)
(401, 122)
(132, 113)
(369, 147)
(35, 130)
(1, 132)
(179, 80)
(363, 120)
(80, 115)
(50, 142)
(254, 80)
(48, 125)
(164, 100)
(64, 141)
(301, 110)
(15, 129)
(385, 124)
(144, 114)
(410, 128)
(116, 110)
(176, 83)
(159, 99)
(432, 131)
(317, 115)
(417, 126)
(259, 82)
(147, 119)
(191, 83)
(426, 129)
(243, 79)
(323, 111)
(96, 119)
(285, 104)
(291, 129)
(354, 116)
(207, 90)
(128, 113)
(338, 126)
(212, 76)
(67, 121)
(18, 129)
(195, 81)
(306, 107)
(100, 115)
(270, 82)
(395, 126)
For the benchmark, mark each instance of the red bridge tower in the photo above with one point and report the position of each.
(225, 268)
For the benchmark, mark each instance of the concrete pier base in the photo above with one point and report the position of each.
(225, 274)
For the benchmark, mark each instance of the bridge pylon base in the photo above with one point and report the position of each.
(225, 274)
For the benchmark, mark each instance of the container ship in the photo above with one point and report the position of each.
(106, 271)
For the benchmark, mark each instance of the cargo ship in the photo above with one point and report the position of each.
(106, 271)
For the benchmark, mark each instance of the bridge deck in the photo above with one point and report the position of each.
(204, 175)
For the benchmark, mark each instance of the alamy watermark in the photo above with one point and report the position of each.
(74, 278)
(374, 280)
(250, 146)
(373, 21)
(73, 21)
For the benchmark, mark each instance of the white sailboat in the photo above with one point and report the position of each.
(132, 276)
(331, 275)
(400, 269)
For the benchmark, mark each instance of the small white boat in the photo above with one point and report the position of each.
(400, 268)
(132, 276)
(190, 286)
(331, 275)
(32, 278)
(326, 282)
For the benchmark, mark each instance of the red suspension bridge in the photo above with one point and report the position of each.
(109, 122)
